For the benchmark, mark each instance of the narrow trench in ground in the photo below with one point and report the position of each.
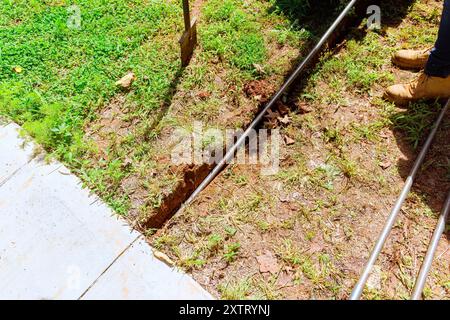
(193, 175)
(346, 225)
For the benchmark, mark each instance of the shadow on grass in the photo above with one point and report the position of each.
(162, 112)
(411, 128)
(315, 17)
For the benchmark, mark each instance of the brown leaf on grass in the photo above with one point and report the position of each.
(271, 124)
(268, 263)
(288, 140)
(203, 95)
(272, 115)
(261, 89)
(285, 279)
(284, 120)
(315, 247)
(282, 108)
(259, 68)
(303, 107)
(385, 164)
(126, 80)
(271, 119)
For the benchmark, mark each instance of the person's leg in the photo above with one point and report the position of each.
(434, 82)
(438, 64)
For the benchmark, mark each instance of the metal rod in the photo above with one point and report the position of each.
(358, 289)
(428, 260)
(186, 14)
(230, 153)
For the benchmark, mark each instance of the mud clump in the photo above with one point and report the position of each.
(260, 90)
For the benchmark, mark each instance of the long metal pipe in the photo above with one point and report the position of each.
(230, 153)
(358, 289)
(427, 262)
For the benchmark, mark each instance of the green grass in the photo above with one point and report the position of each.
(233, 35)
(415, 121)
(214, 242)
(231, 252)
(68, 73)
(55, 80)
(235, 290)
(360, 65)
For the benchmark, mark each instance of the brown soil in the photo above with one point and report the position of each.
(150, 187)
(192, 176)
(110, 127)
(240, 105)
(306, 232)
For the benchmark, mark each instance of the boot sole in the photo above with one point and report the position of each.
(396, 100)
(404, 102)
(405, 64)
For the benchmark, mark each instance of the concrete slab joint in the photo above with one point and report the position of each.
(58, 241)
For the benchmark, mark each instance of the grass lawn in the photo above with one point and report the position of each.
(58, 82)
(314, 222)
(54, 78)
(306, 232)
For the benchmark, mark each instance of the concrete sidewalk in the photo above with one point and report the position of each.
(59, 242)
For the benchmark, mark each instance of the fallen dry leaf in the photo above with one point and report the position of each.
(268, 263)
(259, 68)
(285, 279)
(288, 140)
(303, 107)
(203, 95)
(282, 108)
(126, 80)
(285, 119)
(270, 115)
(18, 69)
(385, 164)
(271, 119)
(315, 247)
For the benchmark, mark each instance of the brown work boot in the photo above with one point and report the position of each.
(424, 87)
(411, 59)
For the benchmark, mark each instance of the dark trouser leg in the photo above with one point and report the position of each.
(439, 62)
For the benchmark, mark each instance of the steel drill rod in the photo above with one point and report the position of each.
(427, 262)
(358, 289)
(230, 153)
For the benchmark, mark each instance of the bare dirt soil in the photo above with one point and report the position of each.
(209, 91)
(307, 231)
